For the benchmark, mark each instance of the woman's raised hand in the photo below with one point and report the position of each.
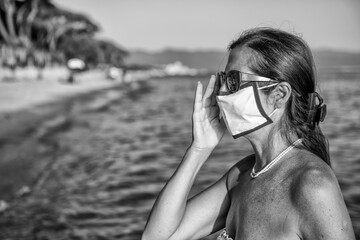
(207, 127)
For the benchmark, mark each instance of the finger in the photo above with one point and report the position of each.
(198, 97)
(216, 89)
(210, 87)
(209, 91)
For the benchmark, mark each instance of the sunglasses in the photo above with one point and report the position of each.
(235, 80)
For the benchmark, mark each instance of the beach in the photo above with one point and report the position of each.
(92, 167)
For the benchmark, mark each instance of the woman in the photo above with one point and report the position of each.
(286, 189)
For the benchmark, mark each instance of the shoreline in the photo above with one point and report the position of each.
(28, 133)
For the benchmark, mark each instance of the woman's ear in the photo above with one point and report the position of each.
(281, 94)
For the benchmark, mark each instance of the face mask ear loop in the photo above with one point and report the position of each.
(271, 85)
(272, 113)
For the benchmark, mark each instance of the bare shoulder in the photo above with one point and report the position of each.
(318, 201)
(313, 177)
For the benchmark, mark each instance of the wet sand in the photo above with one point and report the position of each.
(96, 166)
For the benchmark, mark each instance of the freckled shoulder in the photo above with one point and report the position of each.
(318, 201)
(311, 176)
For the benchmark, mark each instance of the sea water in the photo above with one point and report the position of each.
(112, 163)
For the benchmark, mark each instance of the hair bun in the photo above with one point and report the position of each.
(317, 111)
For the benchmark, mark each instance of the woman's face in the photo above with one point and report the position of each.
(238, 60)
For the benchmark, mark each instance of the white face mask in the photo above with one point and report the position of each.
(242, 111)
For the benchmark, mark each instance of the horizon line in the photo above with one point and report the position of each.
(214, 49)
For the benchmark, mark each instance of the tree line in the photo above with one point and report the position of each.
(39, 33)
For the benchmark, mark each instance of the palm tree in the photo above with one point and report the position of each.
(37, 28)
(112, 54)
(8, 6)
(3, 31)
(24, 19)
(11, 51)
(57, 22)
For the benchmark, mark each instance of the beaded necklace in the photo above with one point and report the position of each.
(255, 174)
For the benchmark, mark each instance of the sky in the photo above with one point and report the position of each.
(211, 24)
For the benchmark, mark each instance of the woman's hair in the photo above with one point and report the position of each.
(285, 57)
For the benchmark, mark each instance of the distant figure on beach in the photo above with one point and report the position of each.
(75, 65)
(286, 189)
(115, 73)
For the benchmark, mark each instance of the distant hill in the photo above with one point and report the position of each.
(332, 58)
(213, 60)
(195, 59)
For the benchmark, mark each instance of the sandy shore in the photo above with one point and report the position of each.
(26, 102)
(27, 91)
